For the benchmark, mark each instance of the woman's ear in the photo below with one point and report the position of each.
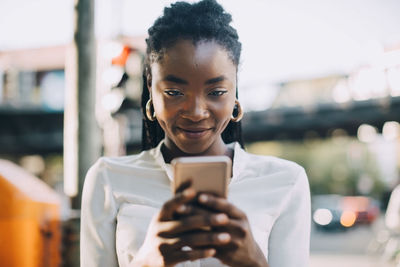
(148, 80)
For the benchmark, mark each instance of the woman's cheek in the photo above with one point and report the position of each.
(166, 110)
(224, 109)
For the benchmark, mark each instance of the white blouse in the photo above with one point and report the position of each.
(121, 195)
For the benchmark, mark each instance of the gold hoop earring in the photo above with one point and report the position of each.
(149, 115)
(239, 115)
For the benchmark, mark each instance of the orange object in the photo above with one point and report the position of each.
(348, 218)
(121, 59)
(30, 233)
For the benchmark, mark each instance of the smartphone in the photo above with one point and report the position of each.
(209, 174)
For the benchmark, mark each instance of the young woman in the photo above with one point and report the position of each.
(130, 217)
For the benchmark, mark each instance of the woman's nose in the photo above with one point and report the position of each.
(195, 109)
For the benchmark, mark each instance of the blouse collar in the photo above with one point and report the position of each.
(238, 160)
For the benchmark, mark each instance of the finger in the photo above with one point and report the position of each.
(170, 229)
(176, 203)
(204, 239)
(186, 184)
(193, 209)
(221, 205)
(236, 228)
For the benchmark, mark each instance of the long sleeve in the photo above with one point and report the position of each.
(392, 216)
(289, 241)
(98, 224)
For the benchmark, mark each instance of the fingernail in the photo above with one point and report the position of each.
(210, 252)
(181, 209)
(221, 218)
(188, 192)
(186, 248)
(203, 198)
(224, 237)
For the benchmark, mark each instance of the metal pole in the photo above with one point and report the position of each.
(88, 130)
(81, 133)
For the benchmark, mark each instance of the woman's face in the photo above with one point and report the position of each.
(193, 90)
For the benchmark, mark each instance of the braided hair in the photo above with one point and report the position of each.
(202, 21)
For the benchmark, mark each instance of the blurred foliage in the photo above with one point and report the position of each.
(339, 165)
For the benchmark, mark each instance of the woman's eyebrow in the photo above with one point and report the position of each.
(215, 80)
(174, 79)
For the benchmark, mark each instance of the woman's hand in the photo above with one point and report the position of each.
(240, 248)
(171, 240)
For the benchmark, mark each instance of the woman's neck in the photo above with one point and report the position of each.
(170, 151)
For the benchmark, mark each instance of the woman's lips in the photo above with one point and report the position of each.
(194, 133)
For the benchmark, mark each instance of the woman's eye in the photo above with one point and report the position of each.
(218, 93)
(173, 92)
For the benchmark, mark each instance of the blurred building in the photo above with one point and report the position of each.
(32, 94)
(319, 106)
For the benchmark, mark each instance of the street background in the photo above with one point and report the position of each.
(319, 82)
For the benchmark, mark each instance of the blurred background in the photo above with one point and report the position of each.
(319, 82)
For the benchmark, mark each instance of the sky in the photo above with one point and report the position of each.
(282, 40)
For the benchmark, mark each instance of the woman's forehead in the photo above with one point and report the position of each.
(205, 56)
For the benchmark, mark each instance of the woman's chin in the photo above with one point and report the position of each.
(182, 146)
